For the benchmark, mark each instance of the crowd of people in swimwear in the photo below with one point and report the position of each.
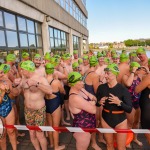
(103, 90)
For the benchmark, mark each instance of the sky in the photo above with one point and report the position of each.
(118, 20)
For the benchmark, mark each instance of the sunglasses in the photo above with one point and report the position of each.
(141, 68)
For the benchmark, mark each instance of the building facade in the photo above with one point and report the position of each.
(40, 26)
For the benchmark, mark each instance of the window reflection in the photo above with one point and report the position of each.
(38, 28)
(22, 24)
(2, 38)
(10, 21)
(31, 40)
(30, 26)
(12, 39)
(23, 40)
(39, 41)
(1, 19)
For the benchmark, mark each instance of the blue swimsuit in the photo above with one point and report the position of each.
(5, 106)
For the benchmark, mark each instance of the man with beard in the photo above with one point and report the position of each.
(141, 54)
(40, 70)
(34, 89)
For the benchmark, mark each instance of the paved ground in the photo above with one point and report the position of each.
(69, 141)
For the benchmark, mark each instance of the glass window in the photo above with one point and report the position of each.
(55, 33)
(56, 43)
(10, 21)
(59, 43)
(1, 19)
(39, 41)
(3, 55)
(31, 40)
(38, 28)
(52, 42)
(12, 39)
(58, 34)
(22, 24)
(23, 40)
(62, 3)
(2, 40)
(30, 26)
(51, 32)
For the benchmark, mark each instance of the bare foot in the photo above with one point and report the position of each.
(65, 123)
(96, 147)
(138, 142)
(60, 147)
(128, 146)
(18, 142)
(21, 134)
(102, 141)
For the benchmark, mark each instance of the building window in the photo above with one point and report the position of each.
(71, 7)
(58, 40)
(19, 34)
(75, 42)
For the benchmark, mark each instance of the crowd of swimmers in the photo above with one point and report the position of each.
(103, 90)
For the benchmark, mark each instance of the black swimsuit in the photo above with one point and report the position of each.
(122, 93)
(53, 104)
(145, 108)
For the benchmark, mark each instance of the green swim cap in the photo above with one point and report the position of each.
(57, 56)
(104, 53)
(107, 60)
(28, 65)
(80, 61)
(134, 64)
(113, 68)
(99, 54)
(5, 68)
(93, 61)
(75, 65)
(85, 52)
(10, 57)
(66, 56)
(37, 56)
(124, 57)
(49, 68)
(133, 54)
(25, 55)
(74, 77)
(55, 61)
(47, 56)
(140, 50)
(114, 56)
(113, 52)
(85, 57)
(75, 52)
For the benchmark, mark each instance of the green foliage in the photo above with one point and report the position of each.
(130, 42)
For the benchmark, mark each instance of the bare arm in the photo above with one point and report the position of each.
(95, 82)
(80, 103)
(128, 80)
(145, 83)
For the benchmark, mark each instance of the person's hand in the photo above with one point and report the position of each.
(134, 69)
(102, 101)
(114, 99)
(31, 82)
(92, 102)
(17, 81)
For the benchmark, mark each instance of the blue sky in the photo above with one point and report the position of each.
(118, 20)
